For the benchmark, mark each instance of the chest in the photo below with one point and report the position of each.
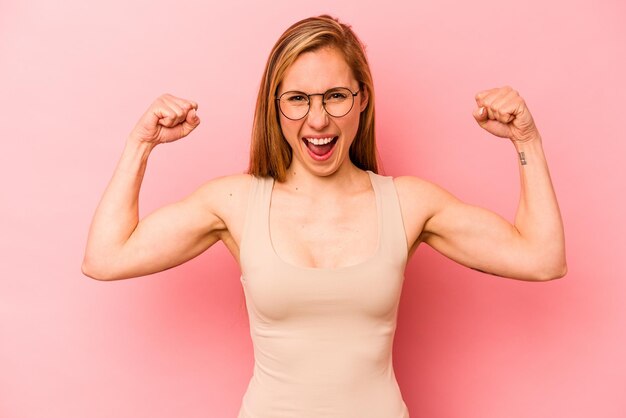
(323, 232)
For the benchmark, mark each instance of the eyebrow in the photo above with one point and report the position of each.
(302, 91)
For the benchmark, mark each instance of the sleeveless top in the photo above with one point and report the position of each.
(323, 337)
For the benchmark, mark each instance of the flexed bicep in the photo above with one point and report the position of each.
(169, 237)
(470, 235)
(479, 239)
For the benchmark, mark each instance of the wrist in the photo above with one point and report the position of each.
(528, 142)
(529, 151)
(136, 149)
(138, 145)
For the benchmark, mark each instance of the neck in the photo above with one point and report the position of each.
(347, 178)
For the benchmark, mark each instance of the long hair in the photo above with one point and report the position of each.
(270, 154)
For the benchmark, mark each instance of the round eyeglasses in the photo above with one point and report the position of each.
(337, 102)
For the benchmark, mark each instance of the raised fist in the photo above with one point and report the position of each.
(168, 119)
(503, 112)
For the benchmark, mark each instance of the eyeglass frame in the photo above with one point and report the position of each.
(354, 94)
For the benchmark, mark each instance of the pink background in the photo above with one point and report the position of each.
(74, 79)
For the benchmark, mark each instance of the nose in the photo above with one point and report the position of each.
(317, 117)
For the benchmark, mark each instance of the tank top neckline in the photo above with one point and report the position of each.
(372, 257)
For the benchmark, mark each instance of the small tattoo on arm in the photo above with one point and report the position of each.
(522, 158)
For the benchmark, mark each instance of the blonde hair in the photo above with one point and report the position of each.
(270, 154)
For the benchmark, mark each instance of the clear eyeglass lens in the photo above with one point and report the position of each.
(337, 102)
(294, 105)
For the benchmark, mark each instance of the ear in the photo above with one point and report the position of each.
(364, 96)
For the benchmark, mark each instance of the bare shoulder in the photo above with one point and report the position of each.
(419, 199)
(222, 195)
(415, 191)
(225, 185)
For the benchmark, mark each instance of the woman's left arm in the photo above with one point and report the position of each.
(533, 248)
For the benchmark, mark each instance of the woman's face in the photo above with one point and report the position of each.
(317, 72)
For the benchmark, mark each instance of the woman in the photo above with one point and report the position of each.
(322, 240)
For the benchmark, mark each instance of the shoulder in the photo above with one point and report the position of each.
(415, 192)
(222, 200)
(410, 186)
(223, 192)
(420, 200)
(221, 195)
(232, 183)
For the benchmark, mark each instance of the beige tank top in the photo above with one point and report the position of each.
(323, 337)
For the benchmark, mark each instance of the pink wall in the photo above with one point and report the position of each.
(75, 78)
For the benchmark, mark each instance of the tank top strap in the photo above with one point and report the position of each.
(254, 240)
(393, 236)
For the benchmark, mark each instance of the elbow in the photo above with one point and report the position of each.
(557, 274)
(554, 272)
(89, 270)
(550, 264)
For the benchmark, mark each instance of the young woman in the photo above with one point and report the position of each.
(321, 238)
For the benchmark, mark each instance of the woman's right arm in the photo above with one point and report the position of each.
(121, 247)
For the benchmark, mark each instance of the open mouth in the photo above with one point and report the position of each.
(320, 148)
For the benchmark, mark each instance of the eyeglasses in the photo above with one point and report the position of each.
(337, 102)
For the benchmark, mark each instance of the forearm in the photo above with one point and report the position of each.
(117, 214)
(538, 218)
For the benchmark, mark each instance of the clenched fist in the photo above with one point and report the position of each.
(502, 112)
(168, 119)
